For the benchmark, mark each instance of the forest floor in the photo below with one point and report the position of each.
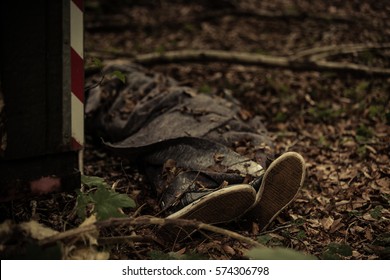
(339, 122)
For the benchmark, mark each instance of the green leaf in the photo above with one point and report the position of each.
(97, 62)
(106, 211)
(119, 75)
(104, 195)
(277, 253)
(82, 202)
(107, 203)
(93, 181)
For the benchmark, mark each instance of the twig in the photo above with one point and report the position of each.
(277, 228)
(99, 83)
(128, 238)
(318, 53)
(147, 220)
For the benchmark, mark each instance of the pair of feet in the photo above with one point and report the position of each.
(280, 184)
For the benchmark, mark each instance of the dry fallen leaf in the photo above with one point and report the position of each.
(88, 253)
(368, 234)
(384, 183)
(37, 230)
(181, 251)
(229, 250)
(368, 217)
(327, 222)
(336, 225)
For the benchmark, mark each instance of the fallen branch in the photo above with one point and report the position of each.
(312, 59)
(147, 220)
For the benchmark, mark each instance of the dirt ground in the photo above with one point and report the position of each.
(339, 122)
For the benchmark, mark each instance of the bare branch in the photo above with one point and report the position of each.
(311, 59)
(148, 220)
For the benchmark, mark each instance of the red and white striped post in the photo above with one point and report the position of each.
(77, 75)
(77, 72)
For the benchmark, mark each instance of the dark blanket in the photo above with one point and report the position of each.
(155, 122)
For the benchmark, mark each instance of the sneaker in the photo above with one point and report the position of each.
(220, 206)
(280, 185)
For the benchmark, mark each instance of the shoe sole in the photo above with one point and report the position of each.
(221, 206)
(281, 183)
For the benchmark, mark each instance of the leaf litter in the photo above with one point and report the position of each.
(338, 122)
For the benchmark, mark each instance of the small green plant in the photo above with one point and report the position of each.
(377, 112)
(97, 63)
(324, 112)
(359, 92)
(280, 117)
(301, 235)
(118, 74)
(323, 142)
(355, 213)
(103, 201)
(362, 87)
(363, 133)
(376, 213)
(335, 251)
(362, 151)
(205, 89)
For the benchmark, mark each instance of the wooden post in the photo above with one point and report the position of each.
(42, 86)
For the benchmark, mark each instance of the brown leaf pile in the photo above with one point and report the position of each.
(339, 123)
